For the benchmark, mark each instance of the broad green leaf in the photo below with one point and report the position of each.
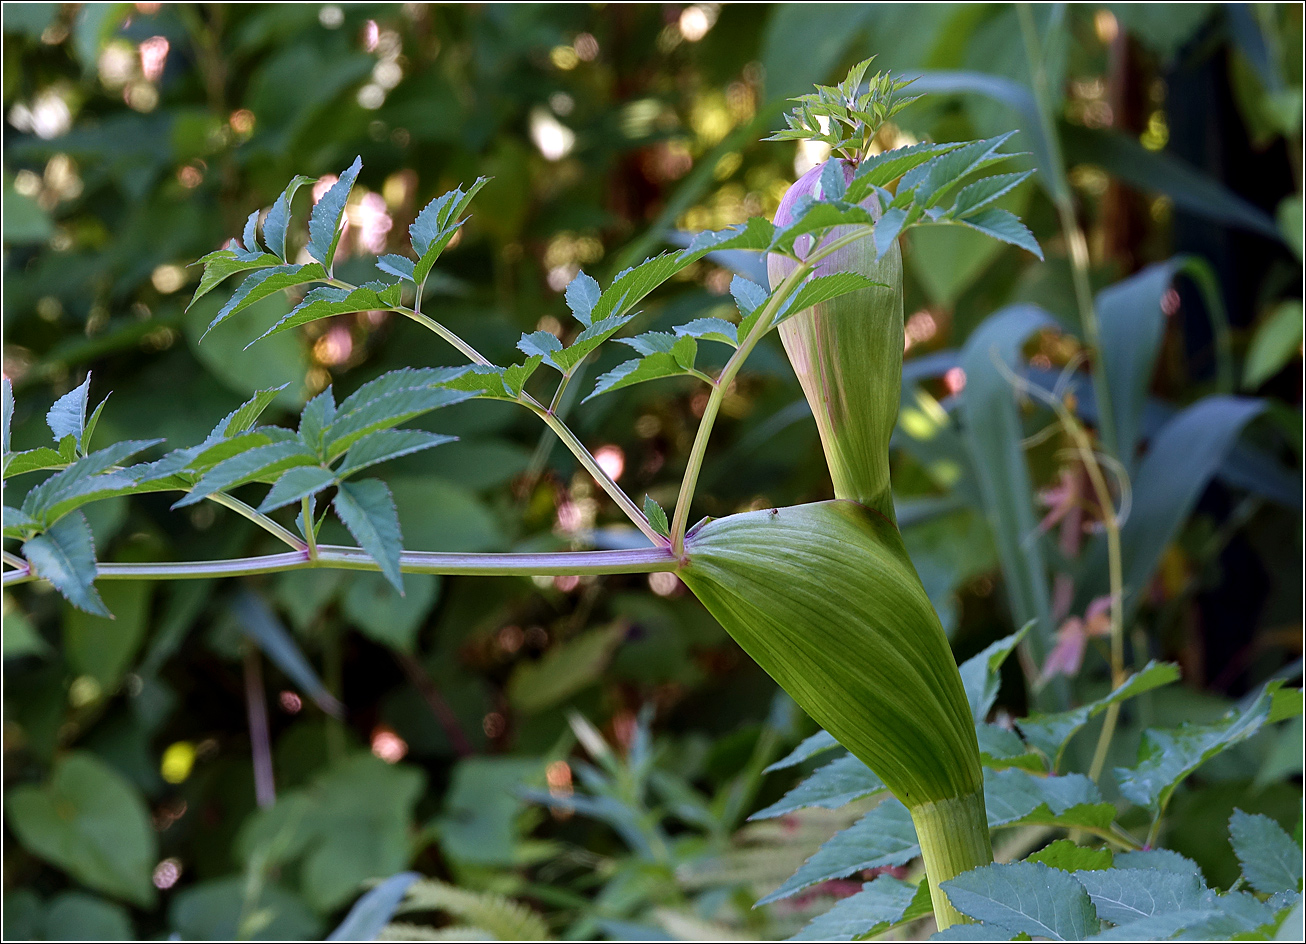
(818, 743)
(656, 517)
(324, 222)
(1270, 860)
(980, 194)
(65, 556)
(68, 415)
(373, 911)
(993, 436)
(1049, 733)
(880, 904)
(1025, 897)
(277, 222)
(392, 264)
(372, 415)
(224, 263)
(1125, 895)
(368, 511)
(327, 301)
(33, 460)
(582, 295)
(1166, 757)
(1005, 226)
(710, 329)
(436, 224)
(1016, 797)
(264, 283)
(296, 484)
(832, 786)
(258, 463)
(1276, 342)
(478, 823)
(563, 671)
(1165, 859)
(883, 837)
(1068, 856)
(824, 288)
(385, 445)
(981, 673)
(1001, 748)
(390, 619)
(261, 625)
(211, 911)
(76, 916)
(90, 822)
(105, 648)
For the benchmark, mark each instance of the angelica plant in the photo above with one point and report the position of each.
(823, 596)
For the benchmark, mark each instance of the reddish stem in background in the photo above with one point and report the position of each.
(260, 740)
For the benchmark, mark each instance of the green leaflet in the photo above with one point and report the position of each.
(264, 283)
(825, 599)
(324, 222)
(839, 782)
(1026, 897)
(224, 263)
(880, 904)
(326, 301)
(65, 556)
(1270, 859)
(368, 511)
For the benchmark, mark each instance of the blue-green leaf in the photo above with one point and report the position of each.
(368, 511)
(832, 786)
(755, 234)
(540, 343)
(1270, 860)
(824, 288)
(371, 415)
(244, 416)
(570, 357)
(1025, 897)
(68, 415)
(436, 225)
(885, 836)
(317, 415)
(1125, 895)
(260, 624)
(65, 556)
(324, 222)
(295, 484)
(1049, 733)
(277, 222)
(385, 445)
(678, 361)
(981, 673)
(373, 911)
(818, 743)
(877, 907)
(710, 329)
(980, 194)
(582, 295)
(1166, 757)
(1017, 797)
(393, 264)
(89, 478)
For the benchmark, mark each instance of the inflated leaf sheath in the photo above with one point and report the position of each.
(847, 354)
(826, 600)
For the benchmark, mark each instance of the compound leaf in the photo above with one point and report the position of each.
(295, 484)
(264, 283)
(224, 263)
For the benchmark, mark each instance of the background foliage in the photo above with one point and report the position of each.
(140, 136)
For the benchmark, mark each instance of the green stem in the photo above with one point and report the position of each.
(1070, 228)
(260, 519)
(763, 324)
(954, 838)
(336, 557)
(13, 560)
(310, 534)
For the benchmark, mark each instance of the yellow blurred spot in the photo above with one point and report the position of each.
(168, 278)
(1157, 134)
(177, 762)
(84, 691)
(564, 57)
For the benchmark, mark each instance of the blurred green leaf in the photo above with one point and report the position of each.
(105, 648)
(385, 616)
(564, 670)
(90, 822)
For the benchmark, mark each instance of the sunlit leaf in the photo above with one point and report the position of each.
(324, 223)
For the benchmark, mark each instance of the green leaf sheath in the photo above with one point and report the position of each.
(847, 353)
(826, 600)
